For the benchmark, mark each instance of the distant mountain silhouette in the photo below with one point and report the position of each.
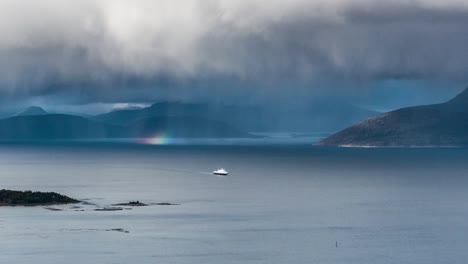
(181, 127)
(60, 126)
(32, 111)
(443, 124)
(247, 118)
(127, 116)
(325, 115)
(55, 126)
(319, 116)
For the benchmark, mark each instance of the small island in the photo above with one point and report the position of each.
(138, 203)
(166, 204)
(131, 203)
(30, 198)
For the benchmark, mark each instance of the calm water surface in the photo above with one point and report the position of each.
(280, 204)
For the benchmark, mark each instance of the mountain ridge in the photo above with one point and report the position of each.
(64, 127)
(444, 124)
(317, 116)
(33, 111)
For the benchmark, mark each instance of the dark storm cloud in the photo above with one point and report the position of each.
(136, 51)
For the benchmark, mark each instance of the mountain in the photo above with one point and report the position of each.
(319, 116)
(54, 126)
(127, 116)
(182, 127)
(247, 118)
(33, 111)
(326, 115)
(443, 124)
(61, 126)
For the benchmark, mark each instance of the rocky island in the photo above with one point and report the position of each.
(29, 198)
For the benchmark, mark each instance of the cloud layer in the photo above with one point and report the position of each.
(117, 51)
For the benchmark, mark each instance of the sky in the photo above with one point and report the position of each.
(90, 55)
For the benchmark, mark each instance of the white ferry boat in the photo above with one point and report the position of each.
(220, 172)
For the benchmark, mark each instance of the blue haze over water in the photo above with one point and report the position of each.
(280, 204)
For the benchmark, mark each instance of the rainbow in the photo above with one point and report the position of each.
(158, 139)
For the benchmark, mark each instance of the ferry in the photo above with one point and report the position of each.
(220, 172)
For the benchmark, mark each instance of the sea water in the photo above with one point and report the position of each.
(280, 204)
